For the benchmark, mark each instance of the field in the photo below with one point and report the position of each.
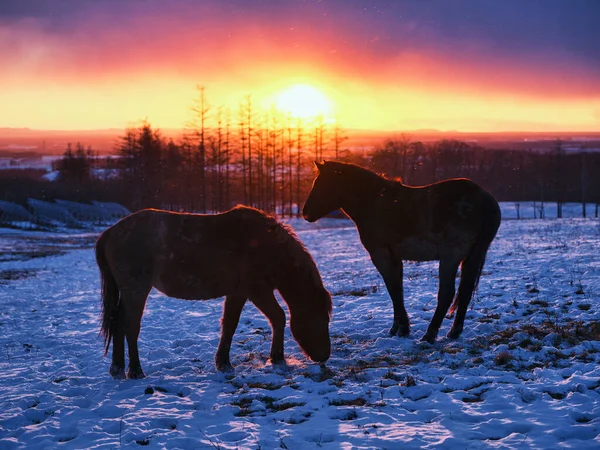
(524, 374)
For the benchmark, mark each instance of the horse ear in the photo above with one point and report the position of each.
(319, 165)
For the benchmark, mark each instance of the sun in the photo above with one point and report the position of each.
(304, 102)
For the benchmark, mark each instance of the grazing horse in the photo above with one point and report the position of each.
(240, 254)
(452, 221)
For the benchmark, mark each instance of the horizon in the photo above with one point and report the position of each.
(469, 66)
(352, 130)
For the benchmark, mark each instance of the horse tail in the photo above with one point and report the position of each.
(110, 293)
(489, 227)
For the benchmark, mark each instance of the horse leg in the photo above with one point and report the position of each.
(468, 278)
(391, 269)
(232, 309)
(133, 302)
(268, 305)
(117, 367)
(447, 275)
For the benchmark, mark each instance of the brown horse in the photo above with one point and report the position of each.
(453, 221)
(240, 254)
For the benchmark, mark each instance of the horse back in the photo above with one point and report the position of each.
(191, 256)
(429, 222)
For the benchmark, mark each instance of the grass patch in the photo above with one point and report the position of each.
(585, 357)
(472, 399)
(450, 350)
(285, 405)
(539, 302)
(489, 318)
(389, 375)
(503, 336)
(376, 363)
(359, 401)
(265, 386)
(350, 415)
(571, 332)
(27, 255)
(503, 358)
(16, 274)
(271, 404)
(357, 291)
(296, 420)
(556, 395)
(409, 381)
(529, 344)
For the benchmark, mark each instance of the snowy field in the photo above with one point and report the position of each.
(524, 374)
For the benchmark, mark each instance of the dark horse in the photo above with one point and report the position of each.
(240, 254)
(453, 221)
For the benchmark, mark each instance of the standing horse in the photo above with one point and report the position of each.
(240, 254)
(453, 221)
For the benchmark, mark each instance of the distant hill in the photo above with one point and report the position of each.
(54, 142)
(104, 141)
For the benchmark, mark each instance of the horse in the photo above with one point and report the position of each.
(452, 221)
(241, 254)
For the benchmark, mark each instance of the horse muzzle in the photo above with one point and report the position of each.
(320, 355)
(308, 217)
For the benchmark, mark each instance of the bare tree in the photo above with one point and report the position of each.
(201, 110)
(299, 145)
(339, 137)
(243, 125)
(290, 165)
(249, 121)
(227, 160)
(583, 182)
(559, 178)
(141, 153)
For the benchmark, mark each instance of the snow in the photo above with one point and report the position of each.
(524, 374)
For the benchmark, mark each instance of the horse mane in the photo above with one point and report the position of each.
(355, 171)
(298, 257)
(290, 254)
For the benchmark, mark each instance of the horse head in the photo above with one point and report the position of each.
(310, 328)
(325, 194)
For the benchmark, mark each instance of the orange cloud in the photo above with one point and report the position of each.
(101, 74)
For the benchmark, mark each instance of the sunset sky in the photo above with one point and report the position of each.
(468, 65)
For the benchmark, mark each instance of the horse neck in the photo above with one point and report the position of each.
(292, 292)
(359, 194)
(303, 291)
(297, 277)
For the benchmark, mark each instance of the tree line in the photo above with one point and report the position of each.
(265, 159)
(254, 157)
(510, 175)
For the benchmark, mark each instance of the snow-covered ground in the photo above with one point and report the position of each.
(524, 374)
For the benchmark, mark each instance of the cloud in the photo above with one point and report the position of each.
(511, 51)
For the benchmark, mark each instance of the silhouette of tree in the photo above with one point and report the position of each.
(141, 152)
(76, 166)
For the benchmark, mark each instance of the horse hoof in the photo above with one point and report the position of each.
(117, 372)
(136, 374)
(453, 334)
(400, 330)
(279, 361)
(403, 331)
(224, 367)
(428, 338)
